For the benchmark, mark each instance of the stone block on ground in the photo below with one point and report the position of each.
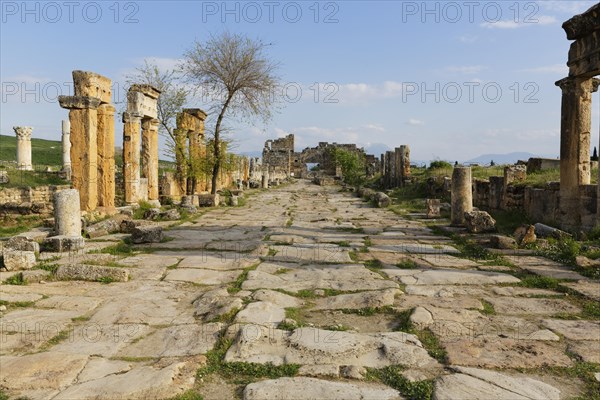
(502, 242)
(22, 243)
(233, 201)
(208, 200)
(479, 221)
(382, 200)
(94, 273)
(152, 214)
(433, 208)
(63, 243)
(303, 388)
(147, 234)
(473, 383)
(525, 235)
(170, 215)
(16, 260)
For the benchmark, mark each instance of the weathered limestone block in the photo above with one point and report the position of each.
(502, 242)
(264, 181)
(152, 214)
(106, 227)
(233, 201)
(147, 234)
(94, 273)
(67, 213)
(24, 147)
(62, 243)
(91, 84)
(433, 208)
(208, 200)
(170, 215)
(143, 100)
(479, 221)
(22, 243)
(15, 260)
(382, 200)
(462, 194)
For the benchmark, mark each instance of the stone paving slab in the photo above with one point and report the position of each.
(203, 276)
(544, 267)
(301, 388)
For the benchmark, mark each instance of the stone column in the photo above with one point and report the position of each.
(67, 214)
(131, 156)
(83, 119)
(265, 180)
(462, 194)
(150, 156)
(66, 147)
(181, 159)
(575, 127)
(23, 147)
(106, 156)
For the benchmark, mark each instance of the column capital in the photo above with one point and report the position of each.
(151, 124)
(78, 102)
(132, 117)
(572, 84)
(23, 132)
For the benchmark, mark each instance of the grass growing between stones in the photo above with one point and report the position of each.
(471, 250)
(13, 226)
(392, 376)
(59, 337)
(188, 395)
(426, 336)
(580, 370)
(488, 308)
(16, 279)
(407, 264)
(119, 249)
(240, 372)
(236, 285)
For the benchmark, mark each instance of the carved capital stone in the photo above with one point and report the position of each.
(78, 102)
(23, 132)
(583, 24)
(132, 117)
(572, 85)
(196, 112)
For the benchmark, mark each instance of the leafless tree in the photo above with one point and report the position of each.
(173, 97)
(236, 78)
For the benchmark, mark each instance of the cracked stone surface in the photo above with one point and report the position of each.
(291, 278)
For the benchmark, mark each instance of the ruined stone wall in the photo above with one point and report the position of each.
(28, 200)
(541, 164)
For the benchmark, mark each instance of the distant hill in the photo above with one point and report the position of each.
(508, 158)
(43, 152)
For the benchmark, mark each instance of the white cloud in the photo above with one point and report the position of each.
(466, 69)
(555, 69)
(365, 92)
(415, 122)
(512, 24)
(571, 7)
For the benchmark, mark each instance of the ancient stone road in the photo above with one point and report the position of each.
(303, 275)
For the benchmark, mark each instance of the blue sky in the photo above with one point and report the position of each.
(451, 79)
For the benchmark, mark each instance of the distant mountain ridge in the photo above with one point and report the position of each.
(508, 158)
